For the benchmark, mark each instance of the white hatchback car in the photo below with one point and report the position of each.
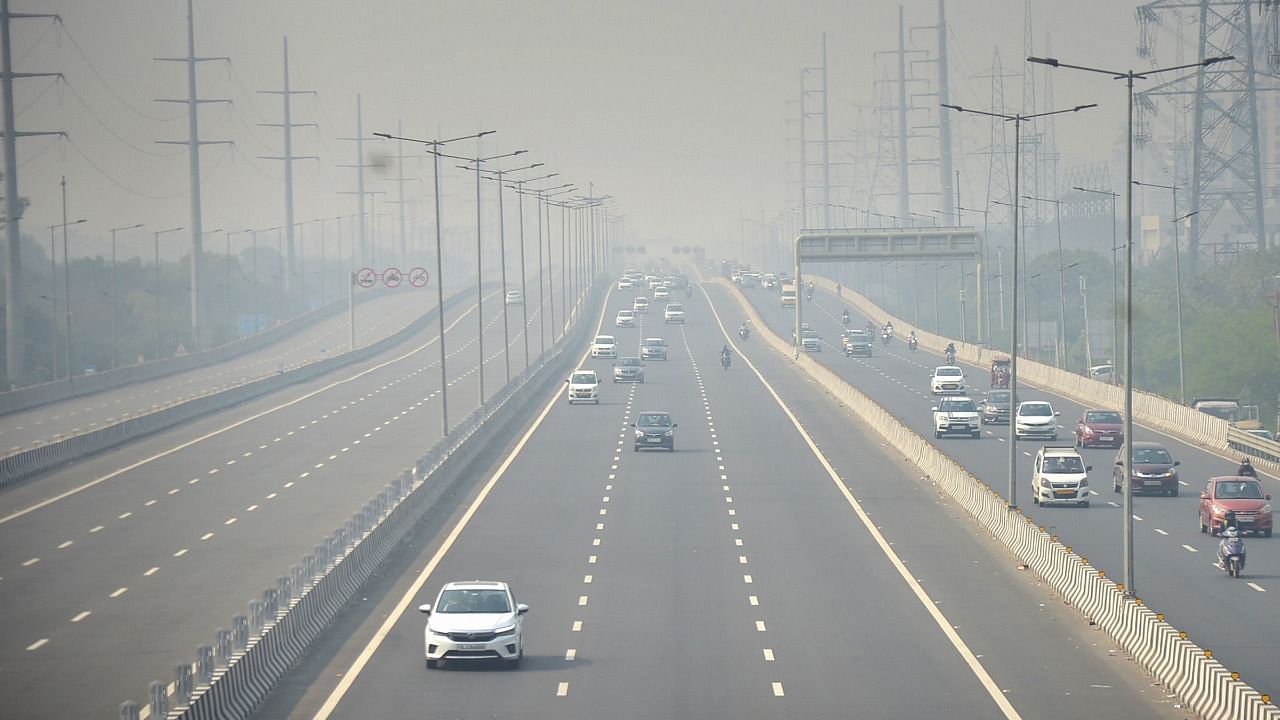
(515, 297)
(674, 313)
(947, 380)
(1058, 475)
(625, 318)
(477, 620)
(1035, 419)
(640, 305)
(604, 346)
(584, 386)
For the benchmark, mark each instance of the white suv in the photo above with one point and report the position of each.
(625, 318)
(956, 415)
(1059, 476)
(947, 380)
(477, 620)
(604, 346)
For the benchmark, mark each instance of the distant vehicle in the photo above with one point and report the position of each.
(1099, 427)
(654, 430)
(628, 369)
(584, 386)
(661, 293)
(1241, 417)
(947, 380)
(640, 305)
(674, 313)
(857, 343)
(604, 346)
(1058, 476)
(1101, 372)
(788, 296)
(653, 348)
(956, 415)
(994, 408)
(1035, 418)
(515, 297)
(625, 283)
(810, 341)
(1263, 433)
(625, 318)
(768, 280)
(1244, 497)
(1153, 470)
(476, 620)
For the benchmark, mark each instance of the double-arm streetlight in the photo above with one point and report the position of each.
(115, 301)
(66, 290)
(433, 147)
(1128, 76)
(1017, 119)
(1115, 291)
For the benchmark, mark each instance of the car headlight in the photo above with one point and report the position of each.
(639, 433)
(669, 433)
(505, 630)
(1218, 510)
(1045, 482)
(1084, 483)
(1266, 508)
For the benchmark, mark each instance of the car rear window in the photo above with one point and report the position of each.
(1102, 417)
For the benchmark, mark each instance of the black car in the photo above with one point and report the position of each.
(994, 407)
(654, 429)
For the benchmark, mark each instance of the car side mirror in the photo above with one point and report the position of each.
(1056, 413)
(675, 425)
(1204, 496)
(935, 409)
(522, 608)
(1177, 463)
(633, 424)
(1119, 463)
(1268, 496)
(1088, 468)
(425, 608)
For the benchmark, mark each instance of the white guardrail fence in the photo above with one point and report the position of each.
(232, 675)
(1185, 669)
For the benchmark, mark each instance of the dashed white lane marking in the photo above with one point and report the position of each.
(122, 516)
(1135, 517)
(768, 655)
(66, 544)
(230, 521)
(181, 552)
(81, 616)
(586, 579)
(591, 560)
(151, 571)
(206, 536)
(577, 626)
(746, 579)
(1188, 548)
(38, 644)
(31, 562)
(1257, 587)
(753, 600)
(582, 600)
(118, 592)
(760, 626)
(777, 690)
(562, 689)
(742, 559)
(570, 655)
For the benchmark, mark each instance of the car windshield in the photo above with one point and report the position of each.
(1107, 417)
(654, 420)
(675, 306)
(1063, 464)
(1238, 490)
(473, 601)
(998, 396)
(1036, 410)
(583, 379)
(957, 406)
(655, 342)
(604, 339)
(1151, 456)
(949, 372)
(624, 313)
(629, 362)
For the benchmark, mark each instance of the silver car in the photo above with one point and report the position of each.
(628, 369)
(476, 620)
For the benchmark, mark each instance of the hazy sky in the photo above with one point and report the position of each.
(679, 109)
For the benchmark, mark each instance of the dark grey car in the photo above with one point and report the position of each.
(994, 408)
(653, 430)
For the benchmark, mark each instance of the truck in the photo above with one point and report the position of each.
(1242, 417)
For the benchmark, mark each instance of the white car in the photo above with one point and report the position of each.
(584, 386)
(947, 380)
(810, 341)
(625, 283)
(604, 346)
(625, 318)
(956, 415)
(640, 305)
(661, 293)
(515, 297)
(477, 620)
(1058, 475)
(1035, 418)
(674, 313)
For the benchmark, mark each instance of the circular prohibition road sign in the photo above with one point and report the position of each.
(366, 277)
(418, 277)
(391, 277)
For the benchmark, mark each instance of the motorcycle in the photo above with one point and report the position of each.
(885, 335)
(844, 319)
(725, 360)
(912, 344)
(1231, 555)
(743, 332)
(951, 357)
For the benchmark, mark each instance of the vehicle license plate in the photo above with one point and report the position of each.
(471, 646)
(1105, 438)
(1241, 519)
(1066, 493)
(1152, 482)
(655, 440)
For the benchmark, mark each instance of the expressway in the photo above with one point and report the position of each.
(384, 314)
(115, 568)
(1174, 566)
(774, 565)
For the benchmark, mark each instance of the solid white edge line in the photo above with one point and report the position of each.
(988, 683)
(352, 673)
(177, 448)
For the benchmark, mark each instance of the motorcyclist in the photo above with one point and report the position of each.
(951, 353)
(844, 317)
(743, 331)
(725, 356)
(1232, 543)
(912, 340)
(1246, 469)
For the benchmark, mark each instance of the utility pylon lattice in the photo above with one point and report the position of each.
(999, 186)
(1226, 162)
(293, 282)
(193, 143)
(946, 177)
(364, 256)
(1031, 136)
(14, 204)
(895, 127)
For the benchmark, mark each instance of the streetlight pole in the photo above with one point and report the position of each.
(66, 290)
(433, 147)
(115, 301)
(1017, 119)
(1060, 342)
(1128, 76)
(1177, 259)
(1115, 291)
(155, 294)
(524, 289)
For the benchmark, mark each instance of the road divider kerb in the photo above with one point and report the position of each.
(1184, 668)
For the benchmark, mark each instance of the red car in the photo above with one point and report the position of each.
(1099, 427)
(1240, 495)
